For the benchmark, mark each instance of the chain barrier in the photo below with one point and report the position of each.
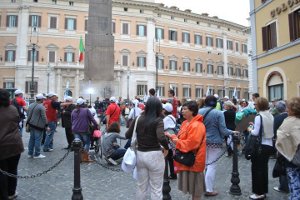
(221, 155)
(105, 166)
(38, 174)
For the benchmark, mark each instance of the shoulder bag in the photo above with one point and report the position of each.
(253, 145)
(129, 159)
(187, 159)
(27, 127)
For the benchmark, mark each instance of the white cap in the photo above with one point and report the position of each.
(51, 94)
(40, 96)
(17, 92)
(80, 101)
(68, 98)
(135, 102)
(168, 107)
(226, 97)
(112, 99)
(228, 103)
(216, 95)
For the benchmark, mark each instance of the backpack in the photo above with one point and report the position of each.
(19, 108)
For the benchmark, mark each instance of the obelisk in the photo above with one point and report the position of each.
(99, 49)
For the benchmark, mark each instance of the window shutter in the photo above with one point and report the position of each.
(156, 35)
(30, 20)
(145, 61)
(85, 25)
(73, 57)
(273, 35)
(16, 21)
(170, 64)
(170, 35)
(137, 30)
(195, 36)
(7, 21)
(145, 33)
(65, 56)
(138, 61)
(6, 55)
(39, 21)
(75, 24)
(162, 63)
(175, 65)
(182, 37)
(114, 27)
(51, 56)
(265, 38)
(291, 26)
(163, 34)
(66, 23)
(37, 56)
(175, 35)
(14, 55)
(190, 92)
(29, 55)
(188, 38)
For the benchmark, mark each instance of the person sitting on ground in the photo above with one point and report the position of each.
(110, 146)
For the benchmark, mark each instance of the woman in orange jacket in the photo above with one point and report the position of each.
(191, 137)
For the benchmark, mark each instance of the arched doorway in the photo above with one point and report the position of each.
(275, 86)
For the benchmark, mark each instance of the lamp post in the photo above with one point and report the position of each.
(48, 77)
(157, 62)
(128, 74)
(34, 34)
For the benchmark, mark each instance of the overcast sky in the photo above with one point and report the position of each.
(231, 10)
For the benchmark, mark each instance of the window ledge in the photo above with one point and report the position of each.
(70, 31)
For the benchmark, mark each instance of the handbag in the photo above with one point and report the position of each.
(253, 145)
(129, 159)
(279, 168)
(187, 159)
(27, 126)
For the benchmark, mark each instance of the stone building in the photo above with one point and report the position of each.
(195, 54)
(276, 47)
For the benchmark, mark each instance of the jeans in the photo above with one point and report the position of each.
(8, 185)
(118, 153)
(85, 138)
(49, 136)
(212, 154)
(34, 144)
(150, 171)
(293, 174)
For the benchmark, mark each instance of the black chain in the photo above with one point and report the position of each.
(38, 174)
(106, 166)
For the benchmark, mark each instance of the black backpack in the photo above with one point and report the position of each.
(19, 108)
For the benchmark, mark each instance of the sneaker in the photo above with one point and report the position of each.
(14, 196)
(255, 196)
(279, 190)
(29, 156)
(40, 156)
(50, 149)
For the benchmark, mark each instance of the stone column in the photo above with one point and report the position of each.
(22, 36)
(150, 44)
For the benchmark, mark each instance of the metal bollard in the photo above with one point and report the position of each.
(235, 180)
(166, 185)
(76, 147)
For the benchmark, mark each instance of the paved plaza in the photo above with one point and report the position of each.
(99, 183)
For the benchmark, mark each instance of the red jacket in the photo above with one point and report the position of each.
(192, 137)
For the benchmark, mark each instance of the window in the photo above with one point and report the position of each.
(113, 27)
(34, 21)
(209, 41)
(294, 25)
(125, 28)
(198, 39)
(28, 86)
(185, 20)
(141, 61)
(220, 92)
(172, 35)
(141, 89)
(236, 46)
(185, 37)
(230, 71)
(141, 11)
(8, 84)
(275, 92)
(11, 21)
(186, 66)
(159, 34)
(160, 63)
(244, 48)
(186, 90)
(71, 3)
(210, 69)
(141, 30)
(51, 56)
(30, 55)
(269, 36)
(13, 1)
(199, 92)
(53, 22)
(69, 57)
(160, 91)
(238, 72)
(124, 60)
(246, 73)
(70, 24)
(219, 43)
(198, 67)
(220, 70)
(229, 45)
(10, 55)
(172, 17)
(35, 1)
(125, 9)
(173, 65)
(54, 1)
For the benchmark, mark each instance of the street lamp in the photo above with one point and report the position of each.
(33, 40)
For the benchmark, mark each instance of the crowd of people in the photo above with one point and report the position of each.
(205, 127)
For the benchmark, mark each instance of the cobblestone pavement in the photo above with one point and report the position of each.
(99, 183)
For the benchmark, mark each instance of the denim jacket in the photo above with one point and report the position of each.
(215, 126)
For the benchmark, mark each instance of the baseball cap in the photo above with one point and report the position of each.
(216, 95)
(17, 92)
(40, 96)
(51, 94)
(226, 97)
(80, 101)
(228, 103)
(68, 98)
(168, 107)
(113, 99)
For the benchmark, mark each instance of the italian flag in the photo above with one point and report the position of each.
(81, 49)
